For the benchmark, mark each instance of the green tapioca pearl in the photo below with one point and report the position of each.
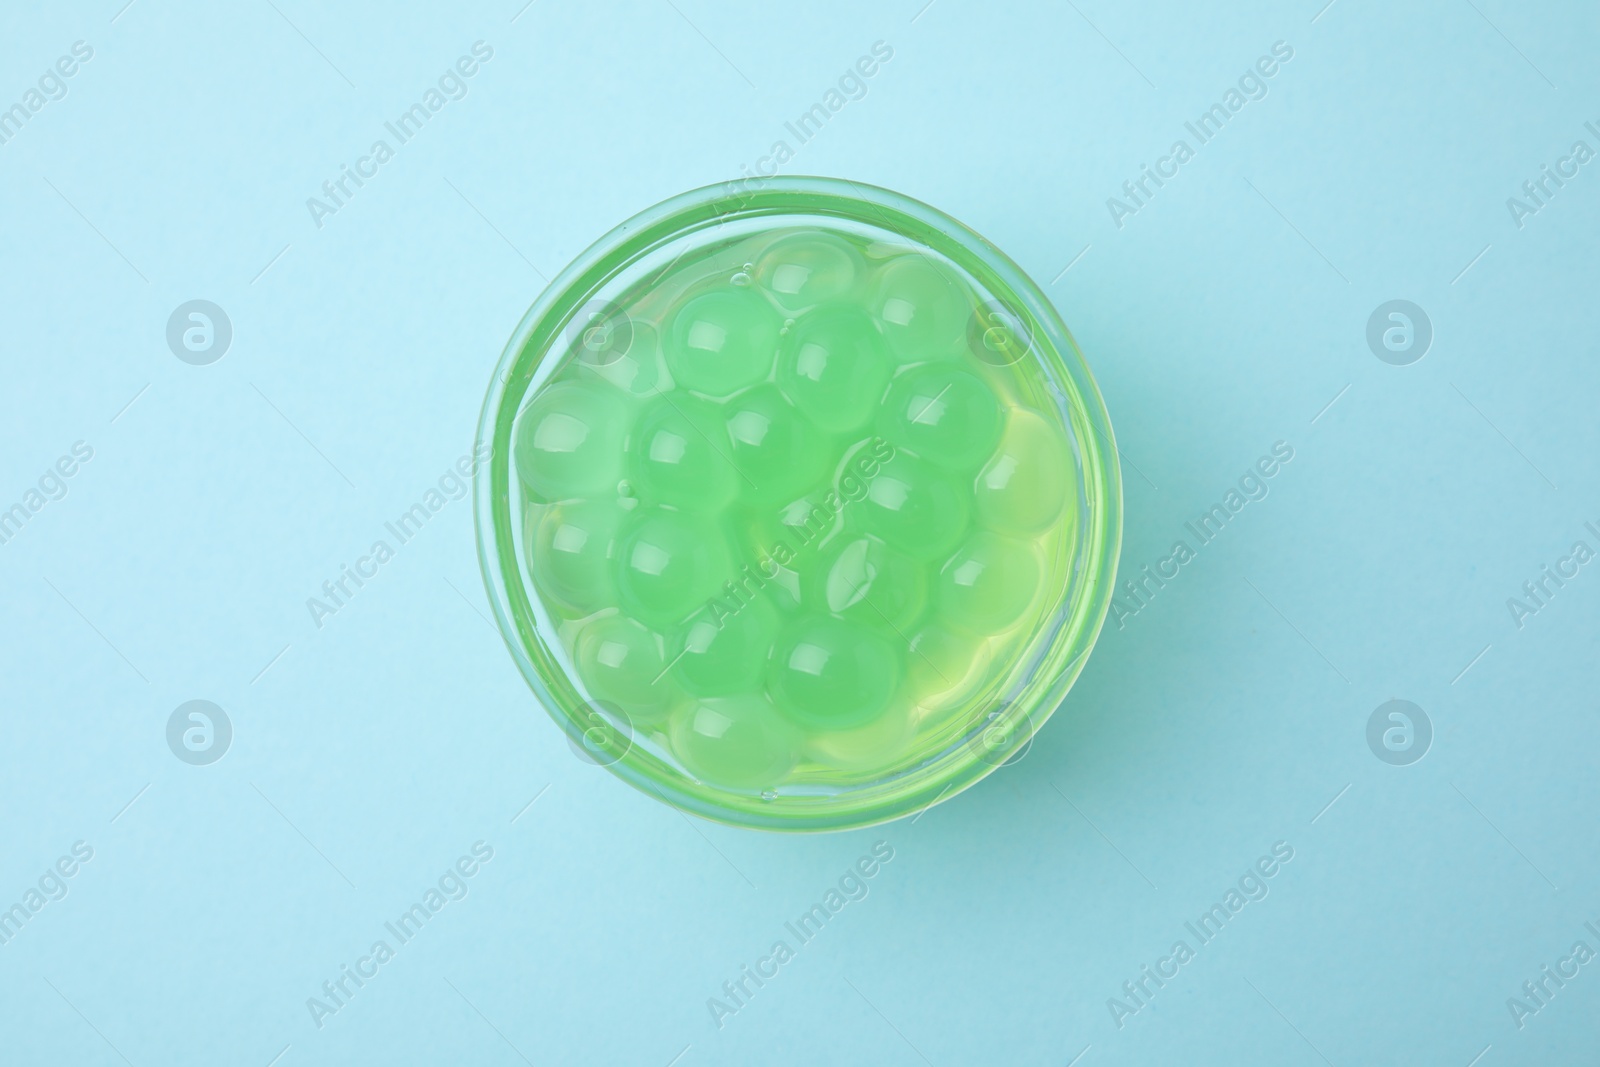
(569, 440)
(722, 341)
(915, 507)
(834, 367)
(668, 564)
(1022, 489)
(921, 308)
(765, 548)
(865, 580)
(987, 585)
(623, 662)
(808, 521)
(865, 748)
(828, 673)
(722, 650)
(778, 451)
(806, 269)
(944, 413)
(942, 662)
(739, 742)
(570, 550)
(679, 454)
(786, 539)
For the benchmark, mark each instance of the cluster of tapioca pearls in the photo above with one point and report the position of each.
(657, 478)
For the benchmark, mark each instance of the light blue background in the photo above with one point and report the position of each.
(371, 753)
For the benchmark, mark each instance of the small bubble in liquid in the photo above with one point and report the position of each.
(740, 279)
(788, 324)
(769, 794)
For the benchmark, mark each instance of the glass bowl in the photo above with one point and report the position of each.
(942, 305)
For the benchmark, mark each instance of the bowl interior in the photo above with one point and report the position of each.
(995, 724)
